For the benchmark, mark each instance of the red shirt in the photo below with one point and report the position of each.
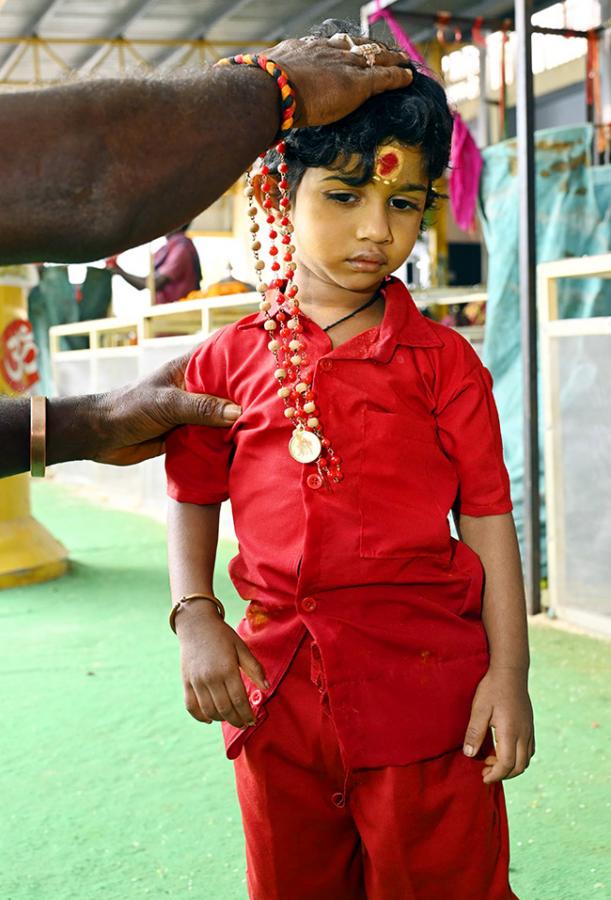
(179, 262)
(367, 566)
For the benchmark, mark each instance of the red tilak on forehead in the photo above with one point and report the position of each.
(387, 163)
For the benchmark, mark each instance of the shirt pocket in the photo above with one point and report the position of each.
(407, 487)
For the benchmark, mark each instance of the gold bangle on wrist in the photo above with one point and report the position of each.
(191, 598)
(38, 436)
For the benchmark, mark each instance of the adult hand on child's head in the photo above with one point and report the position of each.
(331, 81)
(131, 423)
(211, 656)
(501, 701)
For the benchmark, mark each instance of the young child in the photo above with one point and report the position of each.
(376, 651)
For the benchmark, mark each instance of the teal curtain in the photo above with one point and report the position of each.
(53, 302)
(573, 219)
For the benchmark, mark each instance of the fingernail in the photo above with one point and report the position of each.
(468, 750)
(266, 685)
(231, 412)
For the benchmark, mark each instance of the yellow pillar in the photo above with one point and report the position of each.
(28, 552)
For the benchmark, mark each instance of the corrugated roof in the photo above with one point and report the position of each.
(64, 35)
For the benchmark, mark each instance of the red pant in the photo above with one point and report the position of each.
(425, 831)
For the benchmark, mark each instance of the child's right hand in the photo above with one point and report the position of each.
(211, 656)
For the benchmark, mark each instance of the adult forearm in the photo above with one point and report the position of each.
(135, 281)
(494, 539)
(15, 436)
(71, 431)
(105, 165)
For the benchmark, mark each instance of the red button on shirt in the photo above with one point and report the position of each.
(308, 604)
(399, 601)
(256, 697)
(314, 481)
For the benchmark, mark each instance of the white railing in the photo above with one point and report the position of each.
(576, 375)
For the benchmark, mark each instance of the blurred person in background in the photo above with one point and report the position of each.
(178, 270)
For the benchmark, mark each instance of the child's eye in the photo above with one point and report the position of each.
(342, 196)
(403, 203)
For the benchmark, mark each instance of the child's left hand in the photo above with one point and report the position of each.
(502, 700)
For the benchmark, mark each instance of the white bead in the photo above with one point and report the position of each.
(280, 374)
(301, 387)
(294, 345)
(292, 323)
(262, 287)
(296, 360)
(284, 392)
(274, 346)
(313, 422)
(270, 325)
(309, 407)
(264, 305)
(249, 191)
(289, 412)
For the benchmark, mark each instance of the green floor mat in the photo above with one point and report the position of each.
(110, 790)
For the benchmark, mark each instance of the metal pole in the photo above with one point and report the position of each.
(525, 109)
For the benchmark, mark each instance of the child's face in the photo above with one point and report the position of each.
(352, 237)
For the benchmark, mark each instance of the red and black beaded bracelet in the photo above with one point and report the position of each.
(287, 91)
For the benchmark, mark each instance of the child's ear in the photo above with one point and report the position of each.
(274, 194)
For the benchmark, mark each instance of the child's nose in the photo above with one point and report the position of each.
(374, 226)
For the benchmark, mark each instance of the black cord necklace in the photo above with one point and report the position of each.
(354, 312)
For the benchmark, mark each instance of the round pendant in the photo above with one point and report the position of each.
(304, 446)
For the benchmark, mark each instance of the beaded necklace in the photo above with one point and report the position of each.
(308, 443)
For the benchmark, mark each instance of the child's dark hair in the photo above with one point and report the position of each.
(416, 116)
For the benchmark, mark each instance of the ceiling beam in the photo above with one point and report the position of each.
(31, 27)
(93, 55)
(311, 13)
(167, 57)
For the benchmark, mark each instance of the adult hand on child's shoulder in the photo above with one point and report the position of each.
(330, 81)
(501, 701)
(130, 424)
(211, 656)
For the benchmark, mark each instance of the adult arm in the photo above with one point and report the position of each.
(120, 427)
(87, 171)
(140, 282)
(211, 652)
(501, 699)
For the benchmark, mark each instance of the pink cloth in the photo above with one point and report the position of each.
(465, 158)
(465, 171)
(178, 261)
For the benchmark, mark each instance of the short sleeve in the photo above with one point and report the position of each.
(470, 434)
(197, 457)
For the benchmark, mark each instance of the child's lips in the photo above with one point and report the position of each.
(367, 263)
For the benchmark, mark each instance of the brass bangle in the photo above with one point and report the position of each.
(191, 598)
(38, 436)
